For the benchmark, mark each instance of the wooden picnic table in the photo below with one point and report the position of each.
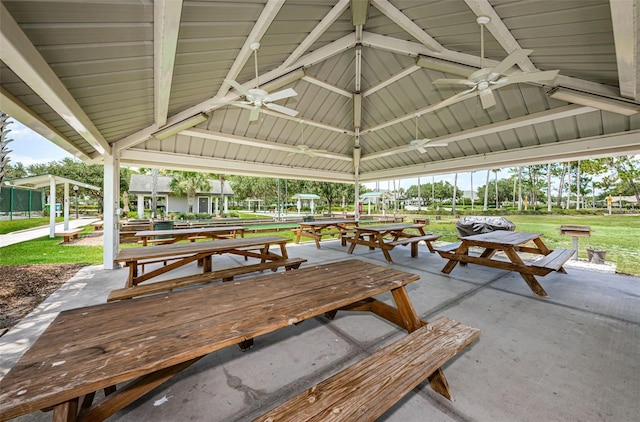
(174, 235)
(89, 349)
(184, 253)
(315, 229)
(388, 236)
(511, 243)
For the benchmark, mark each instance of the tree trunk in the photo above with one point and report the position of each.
(486, 193)
(455, 193)
(549, 187)
(561, 186)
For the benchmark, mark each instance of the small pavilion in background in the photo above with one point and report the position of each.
(50, 180)
(306, 197)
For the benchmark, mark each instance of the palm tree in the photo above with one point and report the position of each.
(189, 183)
(4, 141)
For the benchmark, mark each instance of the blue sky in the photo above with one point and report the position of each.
(30, 148)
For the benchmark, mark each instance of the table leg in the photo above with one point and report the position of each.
(408, 314)
(66, 412)
(356, 236)
(317, 235)
(298, 233)
(463, 249)
(283, 251)
(530, 279)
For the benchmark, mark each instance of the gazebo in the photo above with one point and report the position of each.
(306, 197)
(50, 181)
(353, 90)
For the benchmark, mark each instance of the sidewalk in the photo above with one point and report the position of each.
(30, 234)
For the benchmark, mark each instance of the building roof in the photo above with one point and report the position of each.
(98, 78)
(141, 184)
(44, 180)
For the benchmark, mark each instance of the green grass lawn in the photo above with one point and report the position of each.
(24, 224)
(618, 235)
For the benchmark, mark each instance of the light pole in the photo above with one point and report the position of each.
(75, 192)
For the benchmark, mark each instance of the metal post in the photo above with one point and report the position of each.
(575, 248)
(75, 192)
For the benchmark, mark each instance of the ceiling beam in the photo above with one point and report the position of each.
(624, 19)
(143, 158)
(315, 123)
(267, 16)
(500, 31)
(391, 79)
(327, 86)
(19, 111)
(22, 57)
(510, 124)
(166, 25)
(322, 53)
(258, 143)
(313, 36)
(576, 149)
(407, 24)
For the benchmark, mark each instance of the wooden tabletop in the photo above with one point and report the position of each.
(501, 237)
(390, 227)
(188, 231)
(159, 251)
(88, 349)
(328, 222)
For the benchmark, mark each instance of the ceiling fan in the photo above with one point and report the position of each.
(483, 81)
(258, 98)
(421, 144)
(305, 149)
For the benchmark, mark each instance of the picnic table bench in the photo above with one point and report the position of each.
(376, 237)
(79, 354)
(225, 275)
(97, 225)
(316, 229)
(366, 389)
(511, 243)
(174, 235)
(69, 234)
(184, 253)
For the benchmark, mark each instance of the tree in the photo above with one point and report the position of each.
(188, 183)
(624, 173)
(332, 192)
(74, 169)
(4, 141)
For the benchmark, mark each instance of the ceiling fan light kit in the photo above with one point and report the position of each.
(485, 80)
(259, 98)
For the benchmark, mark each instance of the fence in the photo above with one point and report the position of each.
(20, 201)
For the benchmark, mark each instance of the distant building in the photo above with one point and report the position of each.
(206, 202)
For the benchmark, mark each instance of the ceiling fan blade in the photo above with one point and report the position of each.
(508, 62)
(547, 75)
(255, 113)
(285, 93)
(281, 109)
(453, 82)
(244, 91)
(487, 99)
(460, 96)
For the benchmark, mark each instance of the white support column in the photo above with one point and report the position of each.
(66, 206)
(226, 204)
(140, 206)
(111, 210)
(217, 206)
(52, 207)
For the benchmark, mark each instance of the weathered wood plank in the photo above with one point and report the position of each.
(88, 354)
(365, 390)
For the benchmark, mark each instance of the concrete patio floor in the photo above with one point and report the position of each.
(572, 357)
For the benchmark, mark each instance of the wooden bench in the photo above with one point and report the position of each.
(555, 260)
(160, 241)
(447, 248)
(225, 275)
(413, 241)
(365, 390)
(69, 234)
(97, 225)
